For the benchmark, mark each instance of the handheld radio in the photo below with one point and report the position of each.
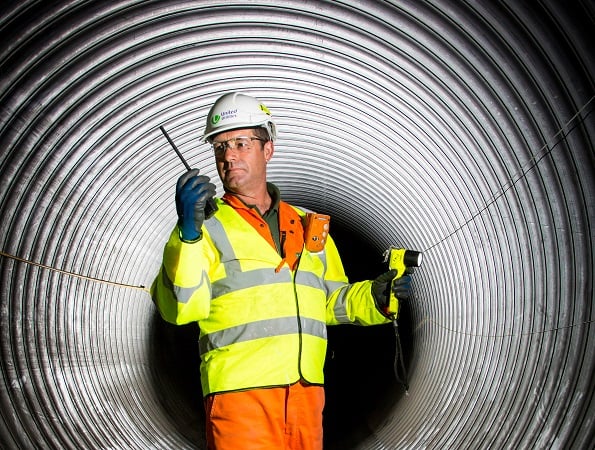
(211, 206)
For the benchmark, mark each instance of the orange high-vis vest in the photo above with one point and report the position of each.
(262, 313)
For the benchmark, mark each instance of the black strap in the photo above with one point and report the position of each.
(399, 364)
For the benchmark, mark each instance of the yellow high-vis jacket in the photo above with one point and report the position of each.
(262, 316)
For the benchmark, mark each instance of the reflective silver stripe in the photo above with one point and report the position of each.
(252, 278)
(322, 256)
(237, 279)
(261, 277)
(261, 329)
(332, 286)
(340, 309)
(183, 294)
(308, 279)
(222, 243)
(313, 327)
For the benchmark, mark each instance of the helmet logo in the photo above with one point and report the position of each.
(224, 115)
(264, 109)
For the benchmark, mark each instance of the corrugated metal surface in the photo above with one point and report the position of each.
(464, 129)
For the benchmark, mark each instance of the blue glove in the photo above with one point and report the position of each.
(402, 287)
(192, 193)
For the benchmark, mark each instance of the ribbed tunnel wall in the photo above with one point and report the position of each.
(463, 129)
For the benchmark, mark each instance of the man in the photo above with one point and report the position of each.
(261, 297)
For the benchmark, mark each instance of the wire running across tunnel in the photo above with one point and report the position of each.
(462, 129)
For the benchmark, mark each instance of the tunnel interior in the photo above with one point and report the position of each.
(461, 129)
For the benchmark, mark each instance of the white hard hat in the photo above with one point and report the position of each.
(236, 110)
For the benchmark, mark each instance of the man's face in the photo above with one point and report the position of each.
(242, 170)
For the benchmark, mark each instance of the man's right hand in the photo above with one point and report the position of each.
(192, 193)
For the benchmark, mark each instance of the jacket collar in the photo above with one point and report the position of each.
(237, 203)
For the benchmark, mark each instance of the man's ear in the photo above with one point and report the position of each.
(269, 149)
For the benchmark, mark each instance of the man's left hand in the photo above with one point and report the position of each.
(381, 288)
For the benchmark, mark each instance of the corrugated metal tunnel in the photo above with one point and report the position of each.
(462, 129)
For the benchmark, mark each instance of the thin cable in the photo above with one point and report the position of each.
(555, 140)
(73, 274)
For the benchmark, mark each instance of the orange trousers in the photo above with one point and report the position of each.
(283, 418)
